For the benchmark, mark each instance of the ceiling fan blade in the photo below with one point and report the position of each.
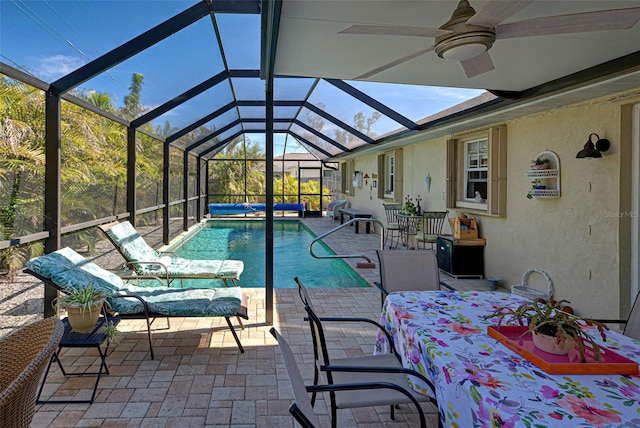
(394, 63)
(478, 65)
(393, 30)
(614, 19)
(497, 11)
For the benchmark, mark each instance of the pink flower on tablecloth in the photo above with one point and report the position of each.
(480, 377)
(589, 409)
(443, 320)
(403, 315)
(548, 392)
(492, 414)
(464, 329)
(439, 342)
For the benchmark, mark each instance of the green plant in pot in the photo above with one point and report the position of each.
(540, 163)
(408, 208)
(553, 320)
(83, 306)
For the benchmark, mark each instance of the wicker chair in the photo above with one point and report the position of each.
(23, 358)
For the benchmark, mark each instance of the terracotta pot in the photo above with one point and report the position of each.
(83, 321)
(550, 344)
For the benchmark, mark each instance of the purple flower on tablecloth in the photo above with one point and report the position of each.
(632, 392)
(492, 414)
(443, 321)
(589, 409)
(413, 350)
(548, 392)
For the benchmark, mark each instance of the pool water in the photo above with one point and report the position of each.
(245, 240)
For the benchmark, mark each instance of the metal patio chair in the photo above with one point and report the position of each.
(430, 227)
(386, 368)
(408, 271)
(392, 226)
(302, 409)
(632, 323)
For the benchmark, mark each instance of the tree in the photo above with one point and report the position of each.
(132, 107)
(21, 169)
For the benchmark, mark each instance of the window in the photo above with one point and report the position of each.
(346, 177)
(477, 172)
(390, 175)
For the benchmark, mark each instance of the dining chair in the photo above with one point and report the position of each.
(385, 368)
(408, 271)
(392, 226)
(430, 227)
(632, 323)
(302, 408)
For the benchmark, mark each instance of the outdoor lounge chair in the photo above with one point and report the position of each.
(302, 409)
(65, 269)
(408, 271)
(146, 261)
(24, 355)
(386, 368)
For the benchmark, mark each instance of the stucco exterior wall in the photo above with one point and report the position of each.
(576, 238)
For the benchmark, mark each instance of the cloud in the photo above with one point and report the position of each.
(54, 67)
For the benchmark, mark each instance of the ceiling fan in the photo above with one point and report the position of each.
(467, 36)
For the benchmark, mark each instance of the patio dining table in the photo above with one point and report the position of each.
(479, 382)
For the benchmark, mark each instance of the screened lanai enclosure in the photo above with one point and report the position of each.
(149, 111)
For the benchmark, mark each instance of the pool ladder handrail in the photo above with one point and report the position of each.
(347, 256)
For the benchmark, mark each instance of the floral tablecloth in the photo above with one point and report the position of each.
(481, 383)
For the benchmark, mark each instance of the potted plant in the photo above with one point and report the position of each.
(540, 163)
(408, 208)
(83, 306)
(555, 320)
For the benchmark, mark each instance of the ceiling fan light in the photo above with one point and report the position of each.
(463, 52)
(461, 47)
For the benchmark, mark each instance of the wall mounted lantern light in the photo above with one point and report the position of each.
(594, 151)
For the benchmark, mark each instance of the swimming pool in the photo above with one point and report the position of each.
(245, 240)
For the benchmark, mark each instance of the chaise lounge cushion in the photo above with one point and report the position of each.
(135, 249)
(69, 270)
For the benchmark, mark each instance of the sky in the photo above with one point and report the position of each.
(50, 38)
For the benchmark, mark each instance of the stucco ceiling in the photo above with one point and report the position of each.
(309, 43)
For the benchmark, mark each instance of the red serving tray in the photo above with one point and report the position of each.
(520, 341)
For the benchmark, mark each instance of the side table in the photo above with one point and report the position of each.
(72, 339)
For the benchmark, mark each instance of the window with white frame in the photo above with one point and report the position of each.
(346, 177)
(389, 172)
(476, 155)
(477, 172)
(390, 175)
